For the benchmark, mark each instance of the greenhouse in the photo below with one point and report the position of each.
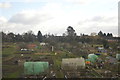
(73, 63)
(92, 57)
(35, 68)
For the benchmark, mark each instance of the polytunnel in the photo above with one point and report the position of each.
(35, 68)
(92, 57)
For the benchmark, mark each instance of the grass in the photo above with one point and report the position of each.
(12, 71)
(27, 52)
(57, 66)
(14, 74)
(8, 51)
(59, 74)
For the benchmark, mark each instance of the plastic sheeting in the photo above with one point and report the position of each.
(35, 68)
(73, 63)
(92, 57)
(87, 61)
(97, 54)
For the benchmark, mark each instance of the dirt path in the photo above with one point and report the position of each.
(8, 58)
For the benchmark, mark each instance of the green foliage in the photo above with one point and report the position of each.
(71, 31)
(22, 45)
(14, 75)
(24, 52)
(59, 74)
(100, 34)
(57, 64)
(109, 35)
(29, 37)
(8, 51)
(13, 71)
(105, 44)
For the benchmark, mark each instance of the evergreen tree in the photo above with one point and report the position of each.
(100, 34)
(39, 36)
(104, 34)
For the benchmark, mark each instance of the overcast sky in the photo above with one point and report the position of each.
(54, 16)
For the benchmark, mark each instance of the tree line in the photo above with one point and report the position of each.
(70, 36)
(105, 35)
